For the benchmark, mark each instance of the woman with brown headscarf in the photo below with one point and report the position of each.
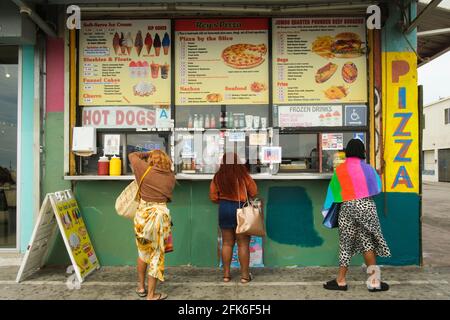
(229, 188)
(152, 223)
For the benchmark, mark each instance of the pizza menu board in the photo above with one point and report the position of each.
(124, 62)
(319, 60)
(221, 61)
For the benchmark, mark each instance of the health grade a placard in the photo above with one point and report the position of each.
(125, 62)
(76, 236)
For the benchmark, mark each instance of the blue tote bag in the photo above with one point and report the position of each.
(331, 219)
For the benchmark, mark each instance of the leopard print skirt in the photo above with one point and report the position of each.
(359, 230)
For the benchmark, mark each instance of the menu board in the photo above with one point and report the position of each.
(75, 235)
(310, 116)
(124, 62)
(221, 61)
(319, 60)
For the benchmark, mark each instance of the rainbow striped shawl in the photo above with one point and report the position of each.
(352, 180)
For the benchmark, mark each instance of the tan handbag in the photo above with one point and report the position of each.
(250, 218)
(127, 202)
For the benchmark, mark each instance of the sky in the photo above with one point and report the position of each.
(435, 75)
(435, 78)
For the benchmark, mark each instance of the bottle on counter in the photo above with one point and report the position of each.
(201, 122)
(115, 166)
(222, 120)
(207, 122)
(103, 166)
(190, 122)
(195, 121)
(231, 120)
(226, 120)
(213, 121)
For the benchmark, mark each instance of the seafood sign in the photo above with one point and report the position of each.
(319, 60)
(125, 62)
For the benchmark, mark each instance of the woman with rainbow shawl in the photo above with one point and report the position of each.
(353, 184)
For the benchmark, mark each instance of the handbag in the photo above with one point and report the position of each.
(250, 218)
(127, 202)
(168, 243)
(331, 218)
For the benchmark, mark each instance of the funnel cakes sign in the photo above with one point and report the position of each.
(124, 62)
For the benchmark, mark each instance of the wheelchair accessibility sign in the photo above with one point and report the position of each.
(355, 115)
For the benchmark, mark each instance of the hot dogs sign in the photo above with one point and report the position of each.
(319, 60)
(125, 62)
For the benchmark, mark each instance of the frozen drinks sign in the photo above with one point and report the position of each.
(126, 117)
(310, 116)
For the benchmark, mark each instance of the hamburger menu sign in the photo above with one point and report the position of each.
(319, 60)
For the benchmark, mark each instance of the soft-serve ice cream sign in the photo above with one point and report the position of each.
(126, 117)
(124, 62)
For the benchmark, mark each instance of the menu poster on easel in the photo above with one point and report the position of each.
(221, 61)
(75, 235)
(124, 62)
(319, 60)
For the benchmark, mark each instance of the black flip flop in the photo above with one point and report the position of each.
(333, 285)
(383, 287)
(141, 294)
(247, 280)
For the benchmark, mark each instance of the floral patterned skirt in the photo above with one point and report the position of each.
(152, 224)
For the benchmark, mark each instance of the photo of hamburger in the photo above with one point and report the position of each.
(326, 72)
(349, 72)
(347, 45)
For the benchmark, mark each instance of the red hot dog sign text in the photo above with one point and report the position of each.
(126, 117)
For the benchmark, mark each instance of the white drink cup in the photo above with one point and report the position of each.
(263, 122)
(256, 122)
(249, 121)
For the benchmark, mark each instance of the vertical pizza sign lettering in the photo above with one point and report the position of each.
(221, 61)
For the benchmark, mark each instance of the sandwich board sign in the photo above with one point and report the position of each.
(60, 211)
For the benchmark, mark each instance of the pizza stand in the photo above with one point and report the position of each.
(60, 213)
(285, 91)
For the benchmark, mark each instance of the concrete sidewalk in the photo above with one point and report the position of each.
(186, 283)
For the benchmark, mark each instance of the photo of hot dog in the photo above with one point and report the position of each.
(349, 72)
(326, 72)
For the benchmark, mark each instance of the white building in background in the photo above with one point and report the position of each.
(436, 141)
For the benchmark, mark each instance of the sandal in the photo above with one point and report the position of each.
(383, 287)
(161, 296)
(141, 294)
(333, 285)
(247, 280)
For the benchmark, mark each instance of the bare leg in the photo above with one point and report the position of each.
(341, 276)
(141, 270)
(244, 255)
(228, 240)
(151, 288)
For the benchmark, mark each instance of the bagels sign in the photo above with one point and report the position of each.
(126, 117)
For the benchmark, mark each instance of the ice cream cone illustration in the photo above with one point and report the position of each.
(166, 43)
(123, 48)
(138, 43)
(129, 42)
(157, 45)
(116, 43)
(148, 42)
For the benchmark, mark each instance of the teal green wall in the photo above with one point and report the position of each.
(27, 174)
(295, 235)
(53, 179)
